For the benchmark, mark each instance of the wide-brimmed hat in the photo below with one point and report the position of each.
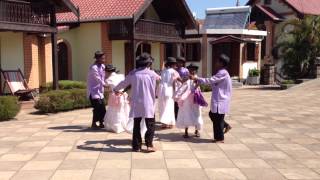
(171, 60)
(110, 67)
(144, 58)
(192, 66)
(98, 54)
(181, 59)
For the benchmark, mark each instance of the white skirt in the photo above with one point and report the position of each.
(166, 106)
(189, 114)
(117, 117)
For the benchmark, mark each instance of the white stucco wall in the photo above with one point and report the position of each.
(155, 53)
(84, 41)
(247, 66)
(11, 51)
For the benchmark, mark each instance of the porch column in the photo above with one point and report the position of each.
(204, 55)
(269, 42)
(55, 85)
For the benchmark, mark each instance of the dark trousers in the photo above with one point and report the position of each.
(176, 110)
(218, 125)
(136, 136)
(99, 110)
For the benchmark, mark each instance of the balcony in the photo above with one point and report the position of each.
(146, 30)
(160, 31)
(24, 16)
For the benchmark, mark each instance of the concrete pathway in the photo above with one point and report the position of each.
(275, 135)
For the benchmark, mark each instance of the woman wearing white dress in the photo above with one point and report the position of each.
(166, 93)
(189, 112)
(117, 116)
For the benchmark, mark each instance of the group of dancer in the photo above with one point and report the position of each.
(178, 92)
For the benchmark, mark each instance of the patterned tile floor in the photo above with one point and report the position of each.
(275, 135)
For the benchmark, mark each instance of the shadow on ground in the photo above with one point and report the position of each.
(76, 128)
(177, 137)
(112, 145)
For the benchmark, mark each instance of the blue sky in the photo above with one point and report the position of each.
(199, 6)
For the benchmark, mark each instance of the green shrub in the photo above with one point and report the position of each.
(254, 73)
(9, 107)
(62, 100)
(205, 88)
(288, 82)
(65, 85)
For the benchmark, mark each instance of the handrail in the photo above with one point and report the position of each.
(157, 22)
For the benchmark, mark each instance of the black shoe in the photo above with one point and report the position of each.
(94, 126)
(101, 126)
(185, 136)
(227, 129)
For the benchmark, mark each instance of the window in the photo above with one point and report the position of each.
(252, 52)
(267, 2)
(143, 48)
(193, 51)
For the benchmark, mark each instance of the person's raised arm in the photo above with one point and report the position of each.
(220, 76)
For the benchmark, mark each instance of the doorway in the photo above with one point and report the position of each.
(232, 50)
(63, 61)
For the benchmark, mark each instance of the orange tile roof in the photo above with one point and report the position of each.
(311, 7)
(95, 10)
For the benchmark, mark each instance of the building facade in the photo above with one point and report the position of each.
(227, 31)
(123, 30)
(27, 30)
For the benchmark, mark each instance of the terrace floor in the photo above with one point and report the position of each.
(275, 135)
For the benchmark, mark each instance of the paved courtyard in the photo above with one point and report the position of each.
(275, 135)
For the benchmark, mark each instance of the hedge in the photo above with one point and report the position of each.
(65, 85)
(9, 107)
(205, 88)
(62, 100)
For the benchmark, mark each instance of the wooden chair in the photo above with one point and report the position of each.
(17, 84)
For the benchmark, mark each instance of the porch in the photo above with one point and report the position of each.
(28, 38)
(244, 54)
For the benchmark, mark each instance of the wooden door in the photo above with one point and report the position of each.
(129, 59)
(63, 61)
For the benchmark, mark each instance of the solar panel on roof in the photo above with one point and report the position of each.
(233, 20)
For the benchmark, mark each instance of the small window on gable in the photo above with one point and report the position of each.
(267, 2)
(193, 51)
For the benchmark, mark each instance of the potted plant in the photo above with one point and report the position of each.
(254, 77)
(287, 84)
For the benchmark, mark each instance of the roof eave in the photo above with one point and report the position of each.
(91, 20)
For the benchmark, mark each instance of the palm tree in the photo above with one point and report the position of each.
(299, 46)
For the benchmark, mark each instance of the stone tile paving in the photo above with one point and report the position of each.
(275, 135)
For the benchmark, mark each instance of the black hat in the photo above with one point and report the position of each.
(98, 54)
(171, 60)
(193, 66)
(110, 68)
(181, 59)
(224, 59)
(144, 58)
